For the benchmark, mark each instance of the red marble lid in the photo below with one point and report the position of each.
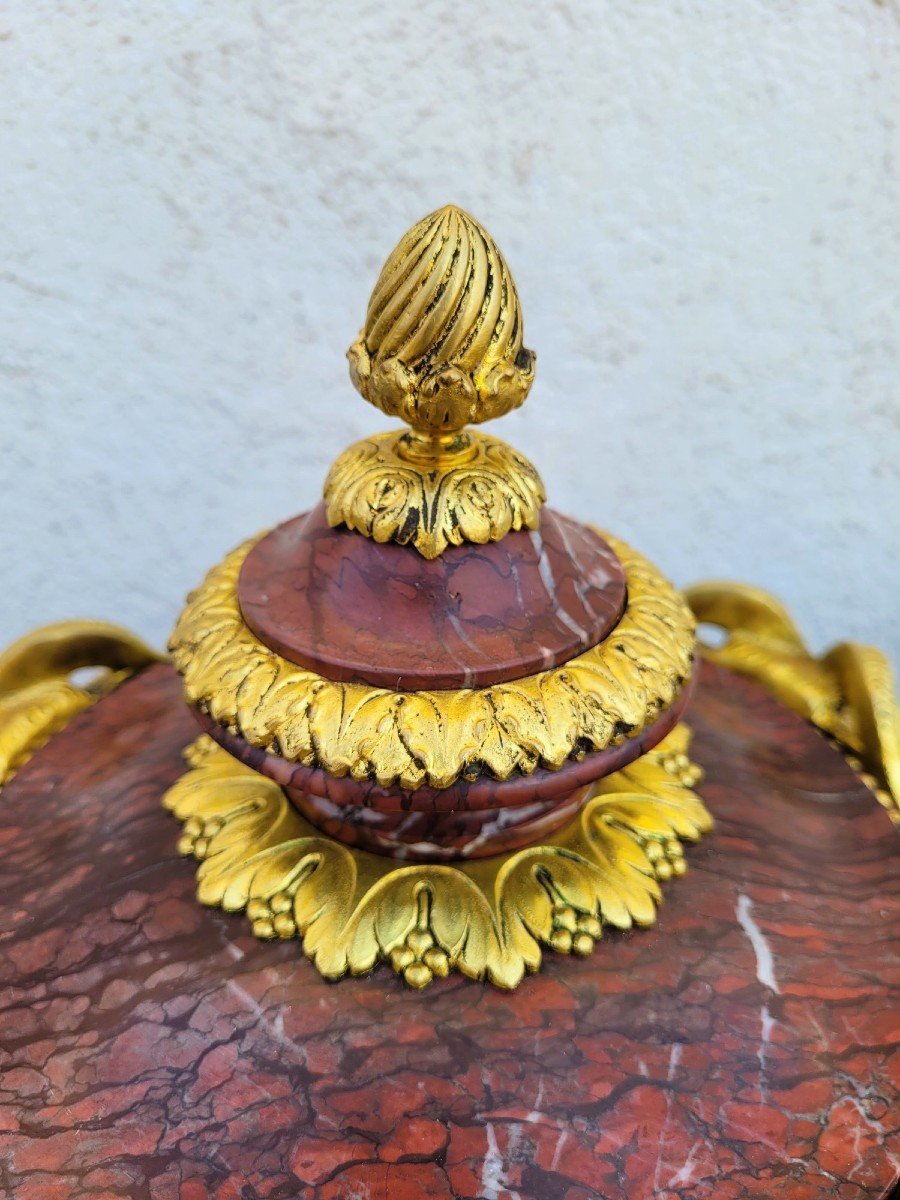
(353, 610)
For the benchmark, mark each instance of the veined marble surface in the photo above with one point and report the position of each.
(745, 1046)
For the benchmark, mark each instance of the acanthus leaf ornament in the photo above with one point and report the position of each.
(487, 491)
(488, 919)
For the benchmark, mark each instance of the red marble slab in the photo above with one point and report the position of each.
(744, 1048)
(351, 610)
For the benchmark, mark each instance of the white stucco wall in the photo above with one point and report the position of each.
(699, 202)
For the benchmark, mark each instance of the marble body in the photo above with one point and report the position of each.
(423, 836)
(744, 1047)
(355, 611)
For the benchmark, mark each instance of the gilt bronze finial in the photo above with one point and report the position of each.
(442, 344)
(441, 348)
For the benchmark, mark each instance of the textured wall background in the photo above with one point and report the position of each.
(699, 202)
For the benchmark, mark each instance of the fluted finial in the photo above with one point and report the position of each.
(441, 348)
(442, 344)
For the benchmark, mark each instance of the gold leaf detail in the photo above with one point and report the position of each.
(488, 919)
(371, 488)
